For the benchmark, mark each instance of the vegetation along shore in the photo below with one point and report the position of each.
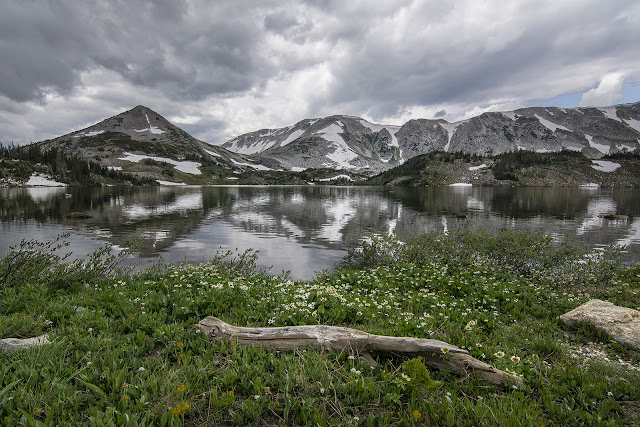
(124, 350)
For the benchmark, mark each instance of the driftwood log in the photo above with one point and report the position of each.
(436, 354)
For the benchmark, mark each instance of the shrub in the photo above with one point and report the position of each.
(531, 253)
(32, 261)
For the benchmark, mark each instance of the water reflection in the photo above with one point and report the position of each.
(305, 229)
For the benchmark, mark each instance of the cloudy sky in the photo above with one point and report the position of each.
(221, 68)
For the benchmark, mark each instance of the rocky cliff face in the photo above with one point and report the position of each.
(347, 142)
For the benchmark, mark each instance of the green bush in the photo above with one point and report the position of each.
(531, 253)
(44, 262)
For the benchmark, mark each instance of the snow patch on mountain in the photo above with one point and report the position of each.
(623, 147)
(605, 165)
(36, 180)
(253, 166)
(451, 128)
(600, 147)
(347, 177)
(342, 154)
(211, 153)
(475, 168)
(572, 148)
(292, 137)
(90, 133)
(610, 112)
(169, 183)
(510, 114)
(184, 166)
(635, 124)
(550, 125)
(153, 129)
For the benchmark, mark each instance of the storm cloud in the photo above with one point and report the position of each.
(222, 68)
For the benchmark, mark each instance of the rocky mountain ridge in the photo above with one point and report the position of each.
(352, 143)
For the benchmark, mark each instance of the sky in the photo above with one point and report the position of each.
(222, 68)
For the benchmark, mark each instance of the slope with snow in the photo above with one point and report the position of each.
(183, 166)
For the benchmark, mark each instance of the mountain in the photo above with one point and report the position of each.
(352, 143)
(143, 143)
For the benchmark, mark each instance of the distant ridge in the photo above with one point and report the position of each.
(348, 142)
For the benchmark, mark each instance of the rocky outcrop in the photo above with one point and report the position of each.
(620, 323)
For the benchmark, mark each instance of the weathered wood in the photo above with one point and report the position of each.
(436, 354)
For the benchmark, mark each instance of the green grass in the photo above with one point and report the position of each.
(133, 357)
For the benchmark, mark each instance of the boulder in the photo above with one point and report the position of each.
(620, 323)
(8, 345)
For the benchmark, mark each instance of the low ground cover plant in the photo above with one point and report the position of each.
(124, 350)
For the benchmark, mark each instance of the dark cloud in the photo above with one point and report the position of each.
(234, 66)
(212, 48)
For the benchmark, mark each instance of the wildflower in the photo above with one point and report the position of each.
(103, 375)
(321, 390)
(515, 359)
(470, 325)
(141, 369)
(180, 344)
(267, 390)
(444, 350)
(416, 414)
(124, 398)
(88, 363)
(90, 330)
(499, 354)
(181, 388)
(405, 377)
(351, 357)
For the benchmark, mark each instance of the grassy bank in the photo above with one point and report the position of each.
(130, 354)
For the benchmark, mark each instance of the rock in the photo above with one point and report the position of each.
(620, 323)
(78, 215)
(8, 345)
(613, 217)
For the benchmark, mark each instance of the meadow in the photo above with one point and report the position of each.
(125, 351)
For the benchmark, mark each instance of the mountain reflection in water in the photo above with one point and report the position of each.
(304, 229)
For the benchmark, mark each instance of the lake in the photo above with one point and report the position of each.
(304, 229)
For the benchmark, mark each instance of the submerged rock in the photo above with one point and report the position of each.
(620, 323)
(78, 215)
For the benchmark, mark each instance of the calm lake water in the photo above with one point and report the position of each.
(304, 229)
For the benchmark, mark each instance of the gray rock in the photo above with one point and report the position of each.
(8, 345)
(620, 323)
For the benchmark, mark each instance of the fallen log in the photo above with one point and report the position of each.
(436, 354)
